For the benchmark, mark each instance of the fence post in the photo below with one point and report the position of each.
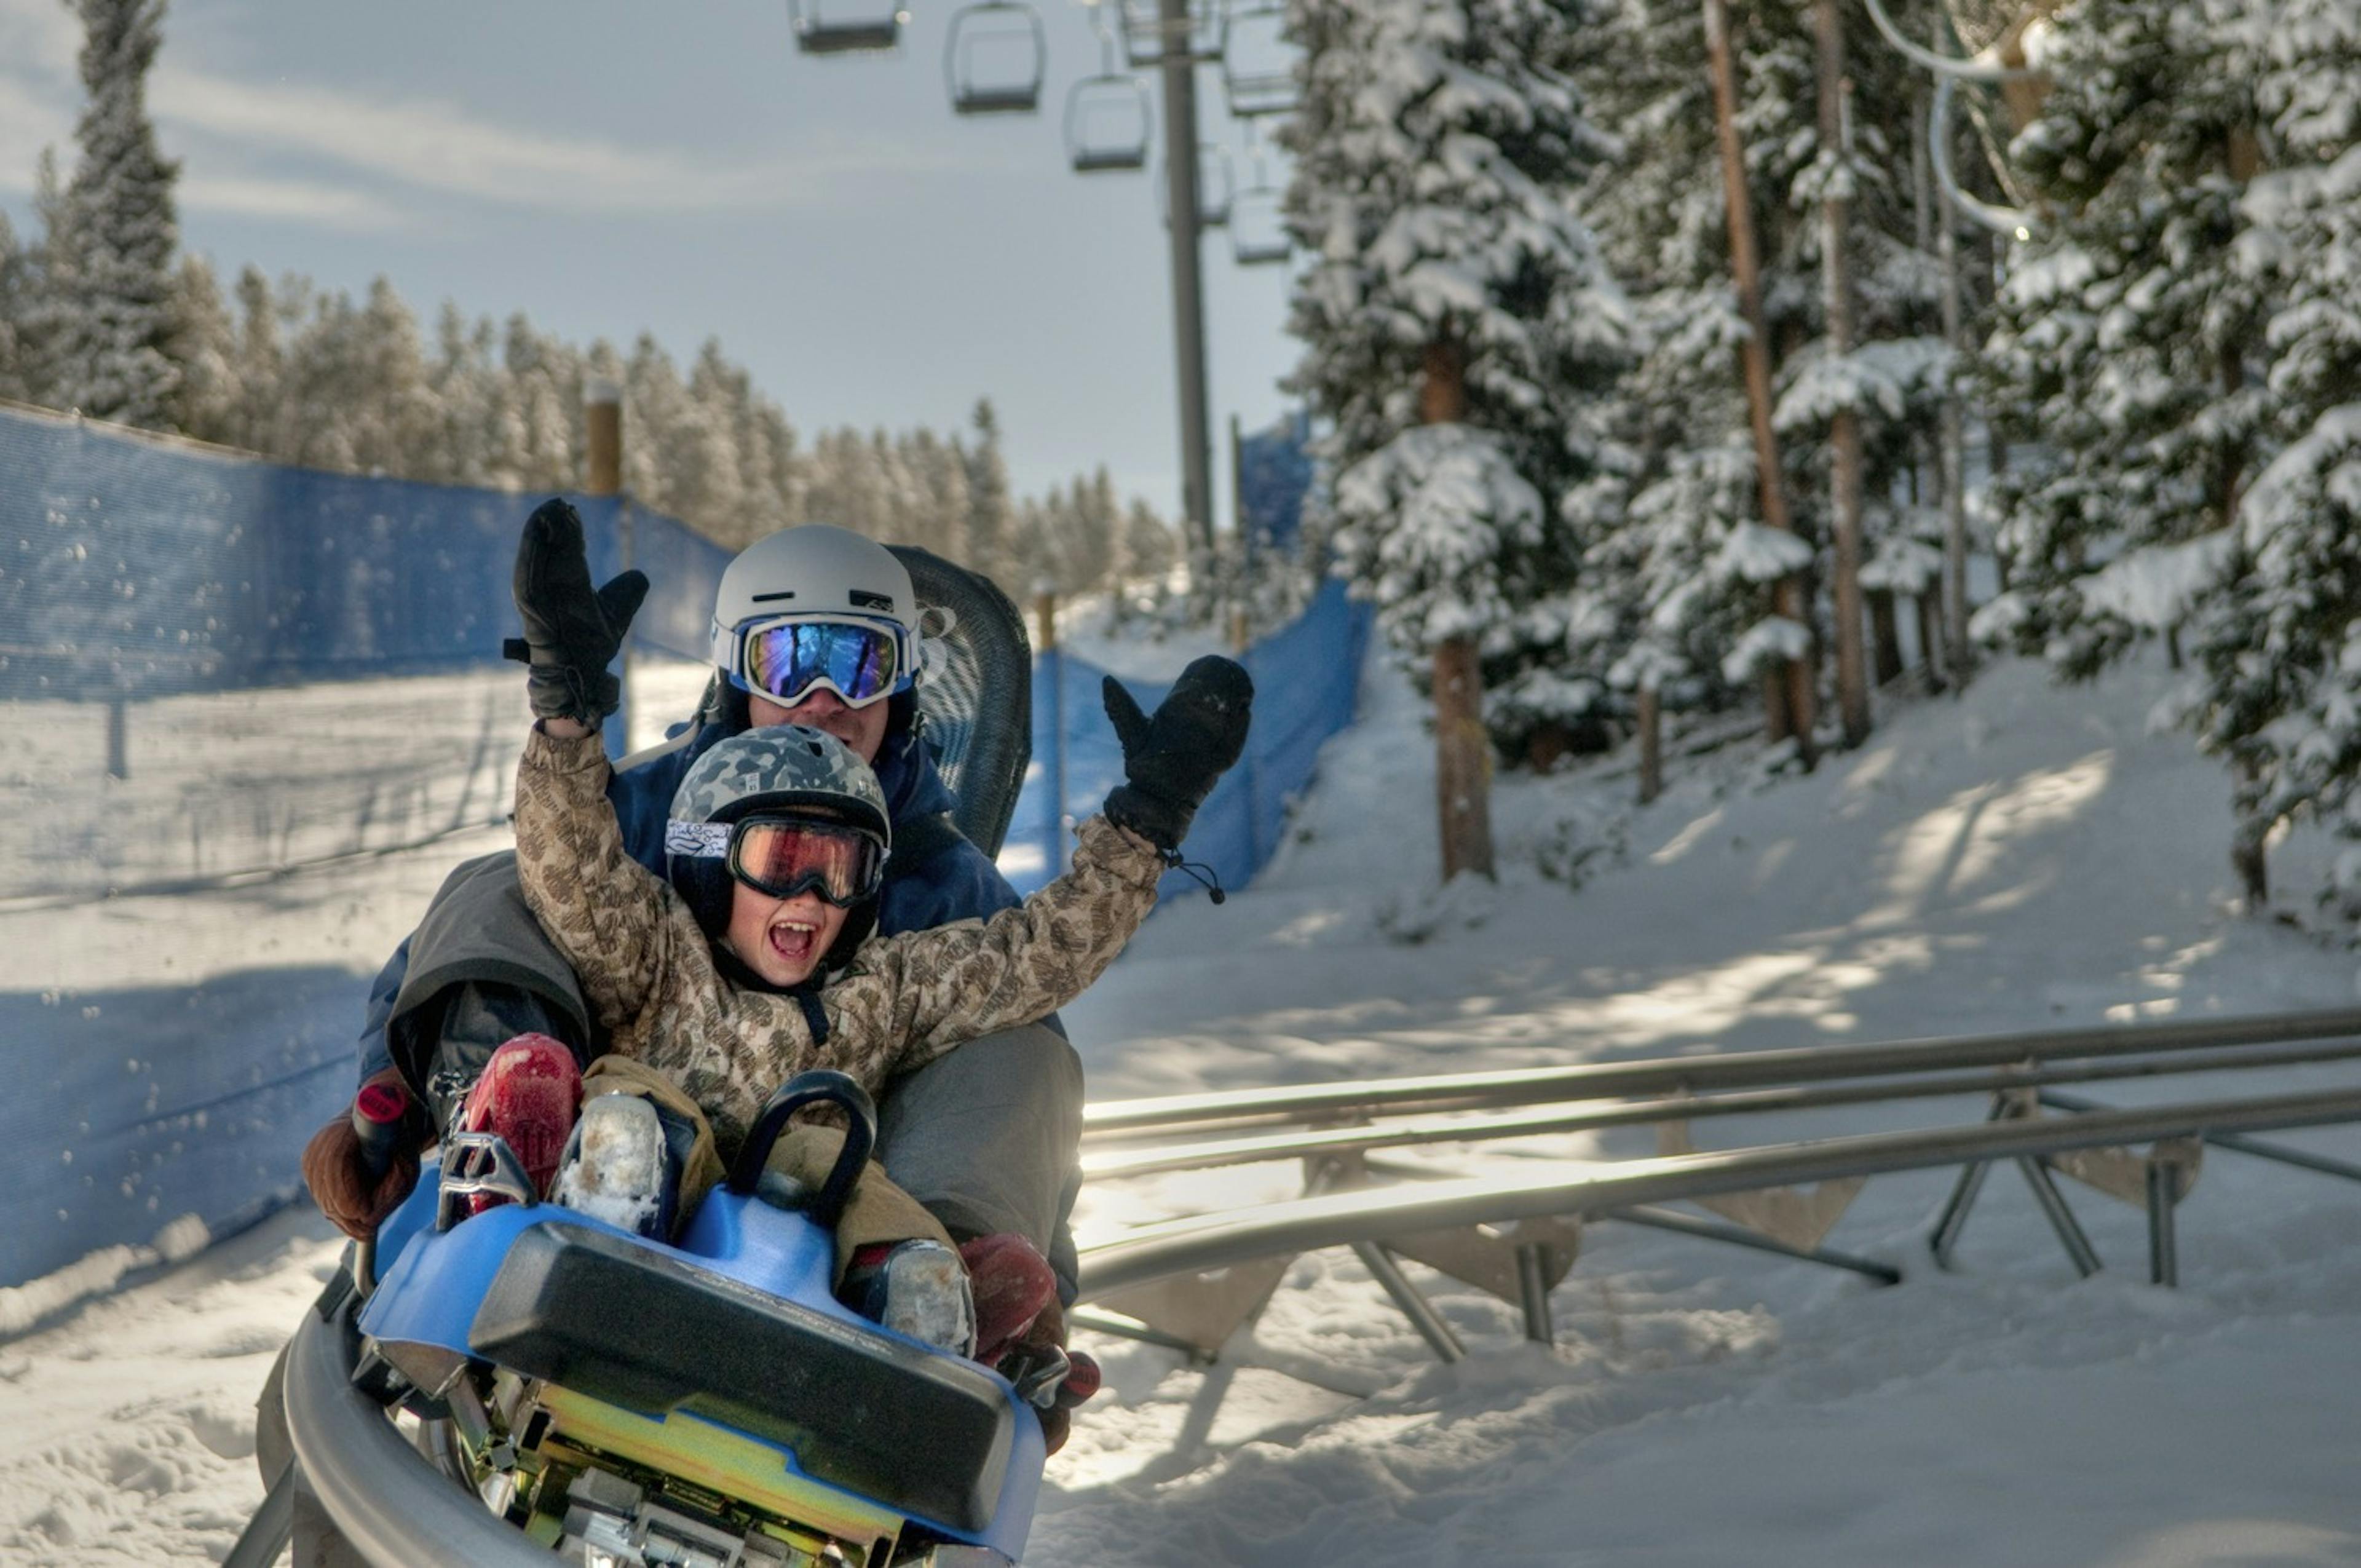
(602, 475)
(1651, 740)
(118, 740)
(1249, 775)
(1045, 616)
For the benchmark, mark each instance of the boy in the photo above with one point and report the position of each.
(746, 963)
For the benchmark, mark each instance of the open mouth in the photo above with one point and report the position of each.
(795, 942)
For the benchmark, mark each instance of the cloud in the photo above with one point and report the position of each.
(27, 125)
(303, 201)
(348, 162)
(37, 90)
(38, 35)
(443, 148)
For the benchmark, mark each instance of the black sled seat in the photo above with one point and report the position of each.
(928, 1436)
(977, 692)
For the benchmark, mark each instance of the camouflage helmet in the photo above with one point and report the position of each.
(781, 767)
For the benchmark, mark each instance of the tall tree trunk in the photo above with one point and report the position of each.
(2250, 858)
(1958, 654)
(1884, 635)
(1930, 666)
(1746, 269)
(1844, 436)
(1652, 742)
(1463, 752)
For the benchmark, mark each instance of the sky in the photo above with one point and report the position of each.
(611, 166)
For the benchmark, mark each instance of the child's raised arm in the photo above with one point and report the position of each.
(924, 992)
(600, 907)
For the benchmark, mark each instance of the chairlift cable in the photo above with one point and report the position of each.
(2016, 223)
(1985, 68)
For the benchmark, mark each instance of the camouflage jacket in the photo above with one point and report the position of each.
(649, 974)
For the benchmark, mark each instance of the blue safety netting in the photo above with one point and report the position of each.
(201, 602)
(135, 567)
(1306, 675)
(1275, 476)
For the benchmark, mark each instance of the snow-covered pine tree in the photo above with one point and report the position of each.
(1098, 531)
(938, 478)
(16, 280)
(2279, 629)
(2121, 367)
(1656, 585)
(389, 367)
(656, 410)
(1462, 336)
(988, 520)
(111, 275)
(304, 376)
(1150, 549)
(1682, 588)
(256, 362)
(204, 346)
(766, 443)
(711, 483)
(545, 389)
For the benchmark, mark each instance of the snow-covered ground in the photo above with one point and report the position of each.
(223, 785)
(2024, 857)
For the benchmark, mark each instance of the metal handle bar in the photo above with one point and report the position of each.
(819, 1086)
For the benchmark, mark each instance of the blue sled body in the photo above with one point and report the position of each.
(718, 1368)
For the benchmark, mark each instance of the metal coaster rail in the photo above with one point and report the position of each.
(1700, 1074)
(1334, 1129)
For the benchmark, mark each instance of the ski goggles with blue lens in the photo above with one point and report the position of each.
(788, 659)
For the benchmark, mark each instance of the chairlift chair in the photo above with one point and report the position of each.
(1144, 39)
(1257, 63)
(1112, 98)
(872, 32)
(995, 58)
(1257, 217)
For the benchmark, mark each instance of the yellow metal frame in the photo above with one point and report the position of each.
(741, 1468)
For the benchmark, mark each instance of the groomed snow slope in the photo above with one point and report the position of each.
(2022, 857)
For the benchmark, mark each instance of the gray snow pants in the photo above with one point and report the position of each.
(985, 1136)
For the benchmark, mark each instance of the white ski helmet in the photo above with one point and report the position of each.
(808, 574)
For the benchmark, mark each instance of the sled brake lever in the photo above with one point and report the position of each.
(479, 1162)
(1037, 1373)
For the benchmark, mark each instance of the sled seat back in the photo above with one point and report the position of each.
(975, 691)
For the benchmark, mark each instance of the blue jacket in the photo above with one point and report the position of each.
(955, 882)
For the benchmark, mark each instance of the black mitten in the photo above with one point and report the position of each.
(570, 632)
(1171, 760)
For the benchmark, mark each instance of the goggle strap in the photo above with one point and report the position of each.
(700, 841)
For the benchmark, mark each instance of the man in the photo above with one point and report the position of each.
(813, 625)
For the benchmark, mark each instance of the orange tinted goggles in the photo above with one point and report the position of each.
(787, 857)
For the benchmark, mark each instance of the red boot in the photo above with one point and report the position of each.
(1039, 1356)
(528, 1094)
(1012, 1283)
